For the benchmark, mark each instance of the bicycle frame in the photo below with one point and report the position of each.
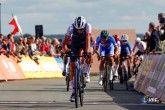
(78, 80)
(125, 72)
(108, 78)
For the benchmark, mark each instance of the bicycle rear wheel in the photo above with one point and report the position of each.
(76, 89)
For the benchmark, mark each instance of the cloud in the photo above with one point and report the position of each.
(57, 15)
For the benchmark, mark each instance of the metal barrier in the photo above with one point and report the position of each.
(151, 76)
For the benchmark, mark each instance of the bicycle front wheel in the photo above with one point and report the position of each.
(105, 79)
(76, 90)
(67, 83)
(81, 89)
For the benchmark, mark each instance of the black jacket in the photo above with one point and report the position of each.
(153, 40)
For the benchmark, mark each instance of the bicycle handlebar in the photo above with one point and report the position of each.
(73, 55)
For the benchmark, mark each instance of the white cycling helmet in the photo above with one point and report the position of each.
(79, 22)
(124, 37)
(137, 39)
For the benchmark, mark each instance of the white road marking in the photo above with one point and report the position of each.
(85, 103)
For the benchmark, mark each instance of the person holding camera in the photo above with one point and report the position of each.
(161, 31)
(154, 40)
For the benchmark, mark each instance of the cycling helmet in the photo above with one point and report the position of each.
(104, 34)
(124, 37)
(137, 39)
(79, 22)
(117, 38)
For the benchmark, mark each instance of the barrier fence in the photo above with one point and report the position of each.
(47, 67)
(151, 77)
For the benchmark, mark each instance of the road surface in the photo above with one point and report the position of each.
(50, 94)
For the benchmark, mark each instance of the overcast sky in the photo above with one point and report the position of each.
(57, 15)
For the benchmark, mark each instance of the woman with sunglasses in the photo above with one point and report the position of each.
(126, 52)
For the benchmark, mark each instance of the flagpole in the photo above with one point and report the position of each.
(0, 17)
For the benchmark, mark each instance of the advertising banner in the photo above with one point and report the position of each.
(10, 68)
(44, 67)
(60, 62)
(151, 75)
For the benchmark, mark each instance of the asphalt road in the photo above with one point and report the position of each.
(50, 94)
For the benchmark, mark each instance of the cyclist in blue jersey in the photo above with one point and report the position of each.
(79, 33)
(107, 45)
(126, 51)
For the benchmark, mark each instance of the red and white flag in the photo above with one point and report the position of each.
(17, 27)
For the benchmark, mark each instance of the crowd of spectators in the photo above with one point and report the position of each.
(155, 37)
(30, 46)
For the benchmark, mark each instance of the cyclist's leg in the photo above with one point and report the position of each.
(110, 53)
(88, 65)
(101, 69)
(116, 67)
(65, 64)
(101, 66)
(72, 66)
(129, 67)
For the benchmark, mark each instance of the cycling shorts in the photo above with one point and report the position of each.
(106, 50)
(123, 54)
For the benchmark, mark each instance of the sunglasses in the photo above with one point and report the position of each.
(104, 37)
(124, 41)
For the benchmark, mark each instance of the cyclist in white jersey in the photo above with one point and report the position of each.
(141, 50)
(79, 33)
(141, 47)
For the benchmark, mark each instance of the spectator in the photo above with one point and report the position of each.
(19, 48)
(4, 46)
(24, 40)
(1, 43)
(1, 38)
(55, 48)
(30, 51)
(48, 45)
(25, 50)
(154, 39)
(38, 44)
(161, 31)
(34, 47)
(43, 46)
(146, 38)
(11, 45)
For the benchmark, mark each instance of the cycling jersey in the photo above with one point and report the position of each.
(111, 41)
(106, 47)
(125, 49)
(78, 41)
(142, 46)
